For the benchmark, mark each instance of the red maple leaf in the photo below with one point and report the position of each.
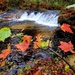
(24, 44)
(66, 46)
(4, 53)
(66, 28)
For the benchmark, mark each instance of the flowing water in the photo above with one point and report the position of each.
(47, 18)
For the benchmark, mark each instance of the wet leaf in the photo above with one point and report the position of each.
(2, 63)
(67, 68)
(4, 53)
(37, 45)
(24, 44)
(43, 44)
(66, 46)
(39, 72)
(39, 42)
(4, 33)
(28, 67)
(27, 38)
(20, 70)
(66, 28)
(39, 37)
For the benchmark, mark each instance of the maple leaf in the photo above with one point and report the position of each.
(66, 28)
(27, 38)
(4, 53)
(39, 37)
(40, 43)
(66, 46)
(24, 44)
(37, 44)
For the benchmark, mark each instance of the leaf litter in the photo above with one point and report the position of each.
(18, 58)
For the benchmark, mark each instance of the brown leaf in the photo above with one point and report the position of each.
(39, 72)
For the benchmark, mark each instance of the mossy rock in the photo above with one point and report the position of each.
(67, 16)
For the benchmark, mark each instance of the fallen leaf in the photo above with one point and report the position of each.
(4, 33)
(2, 63)
(28, 67)
(37, 45)
(66, 46)
(67, 68)
(4, 53)
(39, 72)
(24, 44)
(27, 38)
(66, 28)
(40, 43)
(39, 37)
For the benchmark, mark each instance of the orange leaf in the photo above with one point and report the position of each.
(2, 63)
(66, 28)
(27, 38)
(22, 46)
(39, 37)
(66, 46)
(25, 44)
(5, 53)
(37, 45)
(39, 72)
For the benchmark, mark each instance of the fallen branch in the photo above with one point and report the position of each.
(62, 59)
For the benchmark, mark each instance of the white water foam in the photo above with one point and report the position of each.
(48, 18)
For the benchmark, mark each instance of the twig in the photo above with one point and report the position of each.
(62, 59)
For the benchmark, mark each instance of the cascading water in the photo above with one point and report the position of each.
(49, 18)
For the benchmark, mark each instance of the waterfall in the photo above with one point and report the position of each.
(48, 18)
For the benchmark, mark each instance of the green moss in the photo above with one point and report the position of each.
(55, 3)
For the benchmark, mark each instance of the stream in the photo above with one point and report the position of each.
(33, 23)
